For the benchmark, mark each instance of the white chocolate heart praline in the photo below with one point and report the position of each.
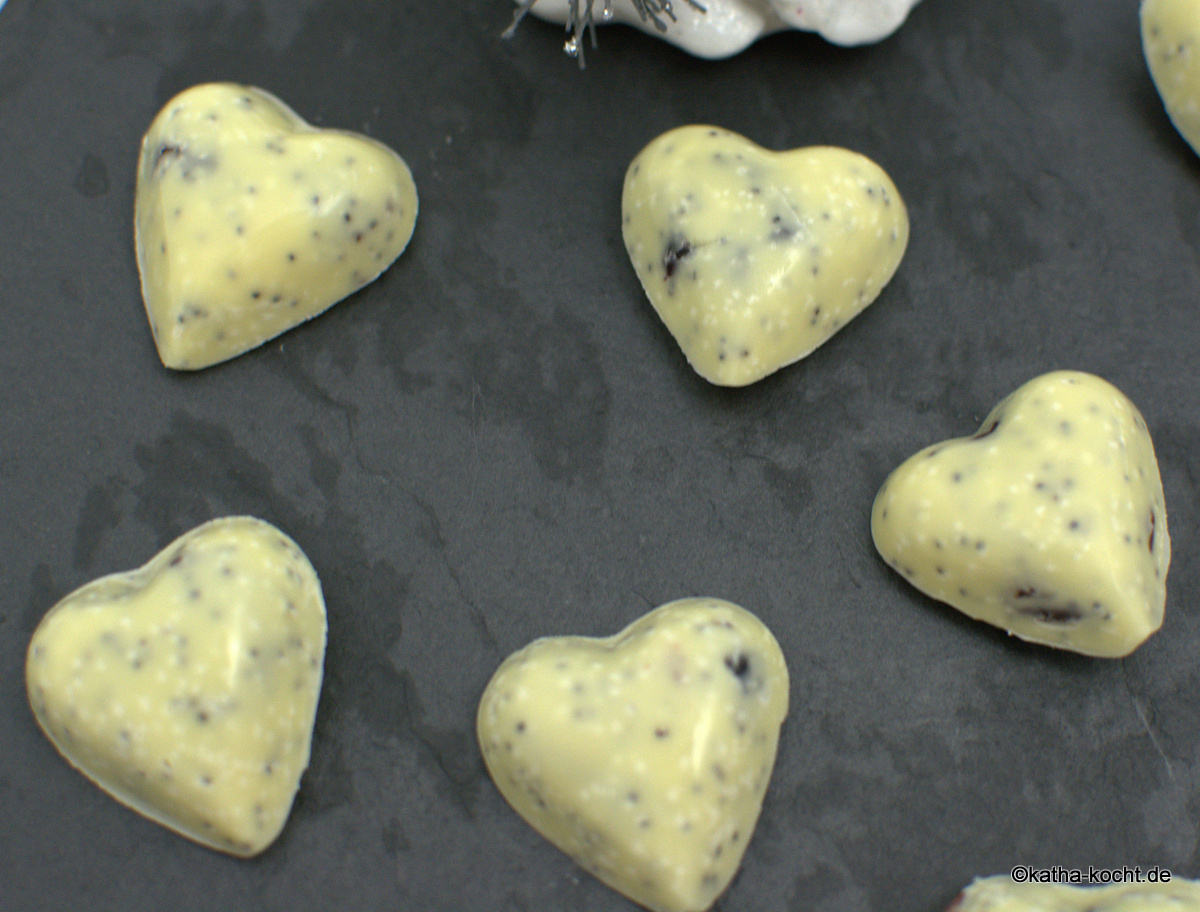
(754, 258)
(248, 221)
(187, 689)
(644, 756)
(1049, 522)
(1170, 32)
(1003, 894)
(715, 29)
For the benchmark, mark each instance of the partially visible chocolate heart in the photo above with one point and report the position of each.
(1003, 894)
(1170, 32)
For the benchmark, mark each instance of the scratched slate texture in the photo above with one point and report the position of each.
(498, 441)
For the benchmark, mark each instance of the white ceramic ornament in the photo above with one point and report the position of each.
(714, 29)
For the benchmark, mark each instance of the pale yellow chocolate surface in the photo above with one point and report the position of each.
(754, 258)
(1049, 522)
(1002, 894)
(249, 221)
(1171, 43)
(187, 689)
(644, 756)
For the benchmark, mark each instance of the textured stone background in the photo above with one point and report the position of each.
(498, 441)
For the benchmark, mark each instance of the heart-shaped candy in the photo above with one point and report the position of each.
(1003, 894)
(644, 756)
(187, 689)
(249, 221)
(754, 258)
(1049, 522)
(1170, 31)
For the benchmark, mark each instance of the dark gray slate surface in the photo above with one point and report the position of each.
(498, 441)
